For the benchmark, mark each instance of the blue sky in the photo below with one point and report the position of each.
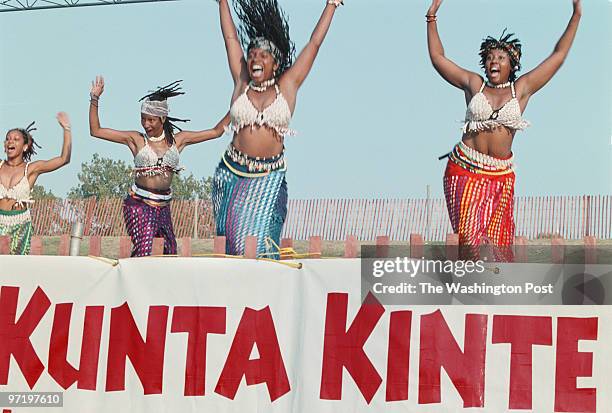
(372, 117)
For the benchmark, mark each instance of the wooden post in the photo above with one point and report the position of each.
(250, 247)
(36, 247)
(125, 247)
(95, 246)
(520, 249)
(557, 250)
(452, 247)
(590, 250)
(315, 246)
(417, 249)
(158, 246)
(219, 244)
(351, 247)
(286, 243)
(64, 245)
(5, 245)
(382, 246)
(185, 247)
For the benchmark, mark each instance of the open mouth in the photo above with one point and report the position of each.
(257, 70)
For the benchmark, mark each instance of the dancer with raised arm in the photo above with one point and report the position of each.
(479, 178)
(146, 210)
(17, 178)
(249, 187)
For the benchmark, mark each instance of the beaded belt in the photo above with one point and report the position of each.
(156, 170)
(152, 196)
(256, 164)
(14, 217)
(480, 163)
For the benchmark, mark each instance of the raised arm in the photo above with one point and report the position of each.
(534, 80)
(451, 72)
(235, 54)
(41, 167)
(297, 73)
(95, 130)
(185, 138)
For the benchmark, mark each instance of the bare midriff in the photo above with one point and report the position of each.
(496, 142)
(159, 183)
(258, 141)
(7, 204)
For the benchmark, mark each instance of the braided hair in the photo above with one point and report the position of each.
(265, 19)
(26, 133)
(161, 94)
(508, 44)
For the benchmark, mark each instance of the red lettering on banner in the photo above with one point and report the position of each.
(147, 357)
(572, 364)
(342, 348)
(398, 361)
(255, 328)
(15, 336)
(197, 322)
(522, 332)
(59, 367)
(440, 350)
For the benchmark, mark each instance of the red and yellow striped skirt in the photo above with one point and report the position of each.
(479, 191)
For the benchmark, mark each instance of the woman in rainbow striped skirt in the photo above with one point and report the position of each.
(249, 187)
(479, 178)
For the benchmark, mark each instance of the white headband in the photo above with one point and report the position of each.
(267, 45)
(155, 108)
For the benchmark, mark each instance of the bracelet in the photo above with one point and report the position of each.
(431, 18)
(94, 97)
(67, 128)
(336, 3)
(93, 103)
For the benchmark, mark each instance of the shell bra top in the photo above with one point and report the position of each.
(481, 116)
(20, 192)
(148, 163)
(276, 116)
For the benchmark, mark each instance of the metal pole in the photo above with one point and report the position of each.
(76, 236)
(7, 6)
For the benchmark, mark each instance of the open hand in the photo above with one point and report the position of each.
(97, 86)
(63, 120)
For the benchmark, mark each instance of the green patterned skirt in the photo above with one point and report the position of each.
(17, 225)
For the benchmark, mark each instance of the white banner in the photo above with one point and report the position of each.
(223, 335)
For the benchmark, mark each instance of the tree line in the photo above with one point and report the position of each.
(109, 178)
